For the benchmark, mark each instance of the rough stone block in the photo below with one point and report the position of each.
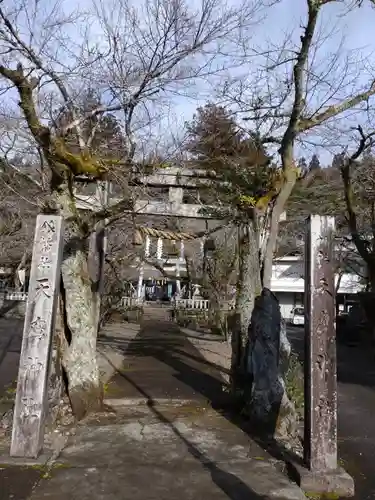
(330, 482)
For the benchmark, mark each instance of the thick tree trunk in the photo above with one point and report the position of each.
(97, 251)
(217, 305)
(290, 174)
(55, 376)
(80, 362)
(249, 287)
(249, 282)
(21, 270)
(79, 359)
(79, 314)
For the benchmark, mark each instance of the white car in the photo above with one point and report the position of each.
(298, 316)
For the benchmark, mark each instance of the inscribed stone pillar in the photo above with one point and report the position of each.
(321, 474)
(320, 347)
(32, 395)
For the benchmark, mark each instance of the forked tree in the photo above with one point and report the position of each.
(139, 58)
(293, 104)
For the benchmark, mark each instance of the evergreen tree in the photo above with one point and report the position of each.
(302, 164)
(218, 145)
(314, 163)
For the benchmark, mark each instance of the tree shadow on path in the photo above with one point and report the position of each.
(208, 385)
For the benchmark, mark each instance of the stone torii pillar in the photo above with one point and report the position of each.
(321, 474)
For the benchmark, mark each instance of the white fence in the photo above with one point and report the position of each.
(14, 295)
(202, 304)
(132, 301)
(192, 304)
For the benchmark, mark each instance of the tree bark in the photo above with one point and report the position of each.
(286, 190)
(217, 305)
(249, 287)
(55, 376)
(249, 282)
(21, 266)
(79, 315)
(79, 358)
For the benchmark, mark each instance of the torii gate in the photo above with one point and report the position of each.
(176, 179)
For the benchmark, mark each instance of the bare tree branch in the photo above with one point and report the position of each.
(346, 164)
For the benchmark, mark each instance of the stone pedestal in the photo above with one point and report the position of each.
(335, 482)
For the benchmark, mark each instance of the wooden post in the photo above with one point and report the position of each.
(32, 395)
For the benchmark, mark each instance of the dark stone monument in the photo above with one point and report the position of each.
(268, 350)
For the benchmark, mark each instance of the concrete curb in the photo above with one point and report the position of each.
(122, 402)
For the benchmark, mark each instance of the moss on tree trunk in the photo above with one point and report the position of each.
(248, 288)
(79, 357)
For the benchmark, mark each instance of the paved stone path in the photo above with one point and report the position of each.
(164, 453)
(162, 364)
(88, 467)
(10, 348)
(163, 441)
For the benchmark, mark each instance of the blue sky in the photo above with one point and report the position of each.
(283, 19)
(353, 29)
